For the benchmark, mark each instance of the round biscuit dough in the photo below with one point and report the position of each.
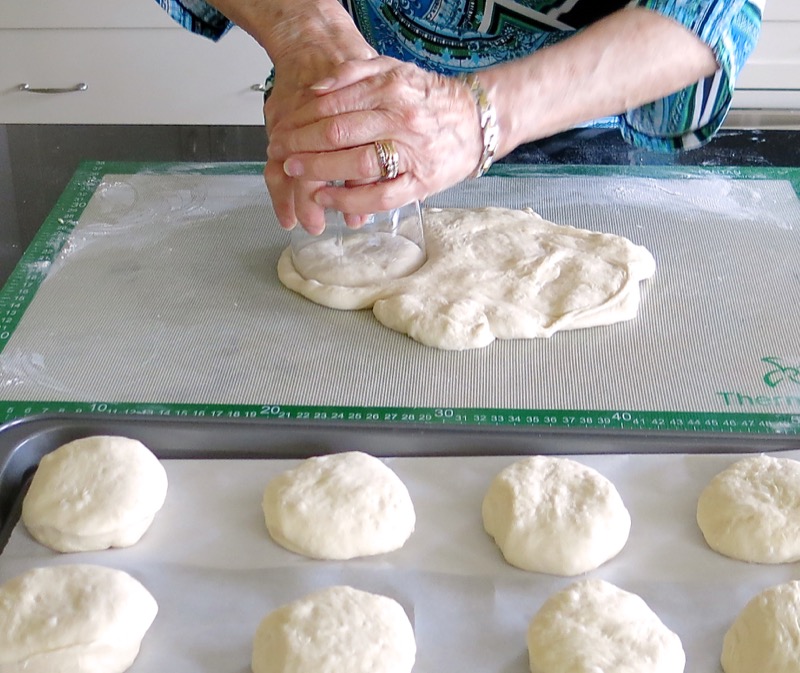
(338, 507)
(593, 626)
(94, 493)
(73, 619)
(336, 630)
(765, 635)
(751, 510)
(555, 515)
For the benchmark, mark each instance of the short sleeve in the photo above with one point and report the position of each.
(690, 117)
(197, 16)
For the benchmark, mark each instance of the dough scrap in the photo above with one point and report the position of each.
(555, 515)
(339, 506)
(765, 635)
(337, 630)
(593, 626)
(94, 493)
(497, 273)
(751, 510)
(73, 619)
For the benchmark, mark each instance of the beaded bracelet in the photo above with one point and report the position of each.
(490, 132)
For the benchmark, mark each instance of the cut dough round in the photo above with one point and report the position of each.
(73, 619)
(593, 626)
(496, 273)
(751, 510)
(94, 493)
(765, 635)
(339, 507)
(555, 515)
(335, 630)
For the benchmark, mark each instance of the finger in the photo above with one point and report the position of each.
(357, 164)
(372, 198)
(280, 188)
(355, 221)
(350, 72)
(310, 214)
(334, 133)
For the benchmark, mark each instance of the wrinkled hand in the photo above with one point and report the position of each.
(432, 120)
(293, 199)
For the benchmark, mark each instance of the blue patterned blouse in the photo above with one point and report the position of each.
(453, 36)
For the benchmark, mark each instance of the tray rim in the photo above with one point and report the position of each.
(23, 441)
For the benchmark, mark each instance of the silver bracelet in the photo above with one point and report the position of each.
(490, 132)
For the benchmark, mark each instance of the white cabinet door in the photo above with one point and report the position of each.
(782, 10)
(133, 76)
(83, 14)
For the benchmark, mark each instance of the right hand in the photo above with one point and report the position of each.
(292, 199)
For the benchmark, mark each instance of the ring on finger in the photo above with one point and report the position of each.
(388, 159)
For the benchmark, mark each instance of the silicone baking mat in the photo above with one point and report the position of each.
(151, 289)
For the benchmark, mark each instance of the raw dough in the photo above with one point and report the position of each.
(764, 637)
(337, 630)
(338, 507)
(94, 493)
(751, 510)
(73, 619)
(595, 627)
(555, 515)
(360, 259)
(497, 273)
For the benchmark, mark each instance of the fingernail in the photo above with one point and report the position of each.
(323, 199)
(293, 168)
(323, 84)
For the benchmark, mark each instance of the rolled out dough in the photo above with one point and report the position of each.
(496, 273)
(339, 506)
(555, 515)
(73, 619)
(751, 510)
(336, 630)
(94, 493)
(593, 626)
(765, 637)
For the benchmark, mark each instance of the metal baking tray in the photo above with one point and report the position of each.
(208, 559)
(23, 443)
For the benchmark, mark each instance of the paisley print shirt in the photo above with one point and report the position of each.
(454, 36)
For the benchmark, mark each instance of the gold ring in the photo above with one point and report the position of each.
(388, 158)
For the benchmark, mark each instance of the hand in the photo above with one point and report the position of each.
(432, 120)
(293, 199)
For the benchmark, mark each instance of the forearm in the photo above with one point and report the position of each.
(632, 57)
(303, 31)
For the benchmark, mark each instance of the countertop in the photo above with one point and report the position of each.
(37, 161)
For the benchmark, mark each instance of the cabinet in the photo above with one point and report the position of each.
(771, 77)
(138, 66)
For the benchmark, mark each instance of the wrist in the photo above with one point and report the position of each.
(305, 33)
(487, 123)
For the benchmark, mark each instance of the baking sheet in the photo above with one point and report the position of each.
(215, 573)
(166, 292)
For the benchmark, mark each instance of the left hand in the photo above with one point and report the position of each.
(431, 119)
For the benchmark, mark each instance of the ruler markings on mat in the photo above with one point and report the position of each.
(33, 268)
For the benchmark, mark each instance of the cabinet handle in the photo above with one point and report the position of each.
(81, 86)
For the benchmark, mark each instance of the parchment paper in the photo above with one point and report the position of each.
(215, 573)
